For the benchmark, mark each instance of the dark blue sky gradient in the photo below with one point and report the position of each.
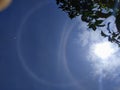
(38, 50)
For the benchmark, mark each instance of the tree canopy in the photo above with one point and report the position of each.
(94, 12)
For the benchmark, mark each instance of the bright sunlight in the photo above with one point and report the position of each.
(103, 50)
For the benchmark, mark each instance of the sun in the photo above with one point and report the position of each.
(104, 57)
(103, 50)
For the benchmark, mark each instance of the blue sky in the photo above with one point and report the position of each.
(42, 49)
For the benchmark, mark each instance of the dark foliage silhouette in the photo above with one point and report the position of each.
(94, 12)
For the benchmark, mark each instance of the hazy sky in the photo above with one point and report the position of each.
(42, 49)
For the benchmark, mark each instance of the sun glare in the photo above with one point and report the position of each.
(104, 57)
(103, 50)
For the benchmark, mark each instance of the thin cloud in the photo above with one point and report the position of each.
(88, 38)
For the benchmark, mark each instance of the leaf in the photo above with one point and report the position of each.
(103, 34)
(84, 18)
(98, 22)
(101, 25)
(92, 26)
(114, 35)
(109, 39)
(57, 2)
(118, 37)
